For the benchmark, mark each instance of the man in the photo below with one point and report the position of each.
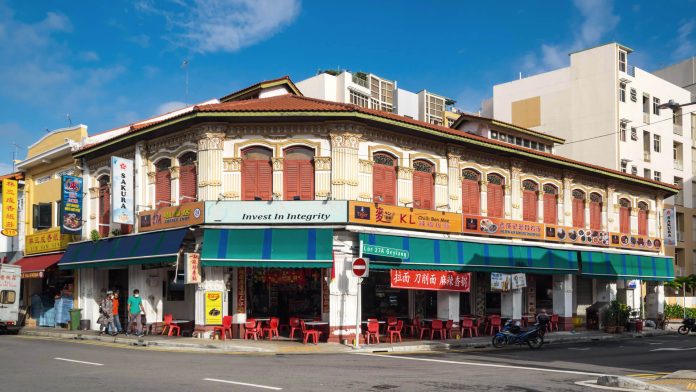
(117, 319)
(135, 307)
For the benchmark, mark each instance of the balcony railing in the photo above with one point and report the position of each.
(631, 71)
(360, 81)
(679, 165)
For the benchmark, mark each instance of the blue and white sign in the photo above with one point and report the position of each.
(122, 191)
(276, 212)
(71, 205)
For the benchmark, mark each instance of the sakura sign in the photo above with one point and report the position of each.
(431, 280)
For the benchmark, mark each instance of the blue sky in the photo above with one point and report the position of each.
(111, 63)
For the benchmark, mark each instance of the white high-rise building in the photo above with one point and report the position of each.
(609, 112)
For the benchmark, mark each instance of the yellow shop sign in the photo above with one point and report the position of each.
(47, 241)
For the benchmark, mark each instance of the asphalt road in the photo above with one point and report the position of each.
(36, 364)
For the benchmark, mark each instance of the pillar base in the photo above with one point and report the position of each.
(339, 334)
(565, 323)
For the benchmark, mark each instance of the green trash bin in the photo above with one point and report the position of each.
(75, 316)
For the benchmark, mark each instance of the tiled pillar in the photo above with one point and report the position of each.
(278, 179)
(484, 195)
(322, 178)
(214, 281)
(441, 190)
(454, 183)
(210, 146)
(611, 218)
(232, 178)
(344, 165)
(515, 191)
(567, 198)
(511, 304)
(365, 180)
(563, 301)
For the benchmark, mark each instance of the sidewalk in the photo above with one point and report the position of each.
(285, 346)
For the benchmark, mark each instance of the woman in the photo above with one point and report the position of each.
(106, 317)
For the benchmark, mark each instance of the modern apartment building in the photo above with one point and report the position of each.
(374, 92)
(612, 114)
(682, 74)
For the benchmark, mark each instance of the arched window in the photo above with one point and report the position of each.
(578, 208)
(624, 216)
(384, 178)
(423, 184)
(188, 178)
(163, 183)
(257, 174)
(496, 195)
(595, 211)
(298, 173)
(471, 192)
(104, 206)
(642, 218)
(530, 192)
(550, 204)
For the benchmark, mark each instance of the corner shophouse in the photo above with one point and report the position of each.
(578, 231)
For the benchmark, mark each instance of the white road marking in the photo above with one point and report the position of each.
(593, 384)
(244, 384)
(76, 361)
(493, 365)
(675, 349)
(654, 343)
(579, 348)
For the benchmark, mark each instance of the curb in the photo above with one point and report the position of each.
(630, 383)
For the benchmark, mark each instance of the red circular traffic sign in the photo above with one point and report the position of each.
(359, 267)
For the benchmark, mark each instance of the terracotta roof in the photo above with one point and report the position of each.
(261, 85)
(12, 176)
(300, 105)
(472, 117)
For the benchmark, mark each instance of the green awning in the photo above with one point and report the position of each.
(281, 248)
(626, 266)
(432, 254)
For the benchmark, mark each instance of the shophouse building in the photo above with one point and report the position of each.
(274, 195)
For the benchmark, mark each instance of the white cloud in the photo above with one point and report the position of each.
(685, 43)
(207, 26)
(89, 56)
(169, 107)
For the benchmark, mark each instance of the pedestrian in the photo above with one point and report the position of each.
(117, 318)
(106, 317)
(135, 308)
(543, 318)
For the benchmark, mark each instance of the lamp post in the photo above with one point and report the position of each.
(674, 106)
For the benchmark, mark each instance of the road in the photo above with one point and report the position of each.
(38, 364)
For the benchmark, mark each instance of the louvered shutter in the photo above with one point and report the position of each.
(265, 179)
(291, 179)
(428, 192)
(578, 213)
(163, 188)
(307, 180)
(642, 222)
(595, 216)
(389, 190)
(418, 190)
(188, 183)
(550, 209)
(471, 197)
(529, 206)
(495, 200)
(624, 220)
(249, 180)
(377, 183)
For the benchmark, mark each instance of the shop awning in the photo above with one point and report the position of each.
(284, 248)
(424, 253)
(34, 266)
(147, 248)
(626, 266)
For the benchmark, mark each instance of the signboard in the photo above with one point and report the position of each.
(71, 205)
(669, 223)
(241, 290)
(213, 307)
(33, 275)
(503, 227)
(192, 268)
(47, 241)
(385, 251)
(431, 280)
(500, 281)
(276, 212)
(518, 281)
(403, 217)
(169, 217)
(361, 268)
(10, 202)
(121, 191)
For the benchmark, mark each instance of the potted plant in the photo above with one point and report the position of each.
(623, 312)
(609, 320)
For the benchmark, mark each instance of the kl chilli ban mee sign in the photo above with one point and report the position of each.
(431, 280)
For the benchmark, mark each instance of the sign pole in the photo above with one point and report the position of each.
(359, 304)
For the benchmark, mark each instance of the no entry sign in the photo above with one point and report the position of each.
(360, 267)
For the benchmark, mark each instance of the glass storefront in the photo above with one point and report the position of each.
(284, 292)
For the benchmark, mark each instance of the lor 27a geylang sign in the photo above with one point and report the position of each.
(71, 205)
(122, 191)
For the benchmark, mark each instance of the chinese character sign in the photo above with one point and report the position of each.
(670, 236)
(122, 190)
(71, 205)
(192, 268)
(9, 207)
(403, 217)
(431, 280)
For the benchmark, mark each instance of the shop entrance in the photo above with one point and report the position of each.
(118, 281)
(544, 293)
(284, 292)
(379, 300)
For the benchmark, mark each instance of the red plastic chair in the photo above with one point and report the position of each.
(306, 333)
(392, 322)
(396, 331)
(372, 331)
(294, 326)
(272, 329)
(448, 328)
(424, 330)
(225, 328)
(467, 325)
(494, 325)
(251, 329)
(413, 328)
(437, 326)
(553, 324)
(168, 326)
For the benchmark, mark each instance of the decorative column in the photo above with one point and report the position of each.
(634, 219)
(454, 183)
(567, 201)
(515, 193)
(484, 195)
(365, 180)
(174, 172)
(540, 205)
(214, 281)
(232, 178)
(322, 178)
(210, 147)
(94, 207)
(141, 179)
(608, 218)
(344, 165)
(563, 300)
(441, 199)
(277, 178)
(404, 188)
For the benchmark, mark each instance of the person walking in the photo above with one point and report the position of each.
(135, 308)
(106, 318)
(117, 318)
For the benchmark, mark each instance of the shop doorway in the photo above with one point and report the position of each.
(544, 293)
(118, 280)
(284, 292)
(493, 303)
(464, 304)
(379, 300)
(426, 303)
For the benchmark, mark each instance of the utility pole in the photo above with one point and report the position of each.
(14, 154)
(185, 65)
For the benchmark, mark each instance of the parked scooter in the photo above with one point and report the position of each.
(688, 325)
(513, 334)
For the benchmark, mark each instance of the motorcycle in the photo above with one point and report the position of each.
(513, 334)
(688, 325)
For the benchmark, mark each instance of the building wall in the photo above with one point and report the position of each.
(406, 103)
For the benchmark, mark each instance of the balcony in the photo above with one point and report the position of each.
(646, 156)
(631, 71)
(678, 129)
(679, 165)
(646, 118)
(360, 81)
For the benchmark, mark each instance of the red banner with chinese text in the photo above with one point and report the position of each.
(431, 280)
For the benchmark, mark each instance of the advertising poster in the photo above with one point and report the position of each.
(403, 217)
(122, 191)
(213, 307)
(669, 217)
(431, 280)
(9, 207)
(518, 281)
(192, 268)
(500, 281)
(71, 205)
(186, 214)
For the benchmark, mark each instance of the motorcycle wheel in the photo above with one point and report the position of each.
(683, 330)
(499, 341)
(535, 343)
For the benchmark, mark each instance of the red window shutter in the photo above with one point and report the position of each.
(578, 213)
(642, 222)
(423, 189)
(624, 220)
(188, 183)
(377, 183)
(163, 188)
(390, 185)
(495, 200)
(265, 180)
(471, 197)
(291, 179)
(595, 216)
(529, 206)
(249, 180)
(550, 209)
(257, 179)
(307, 180)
